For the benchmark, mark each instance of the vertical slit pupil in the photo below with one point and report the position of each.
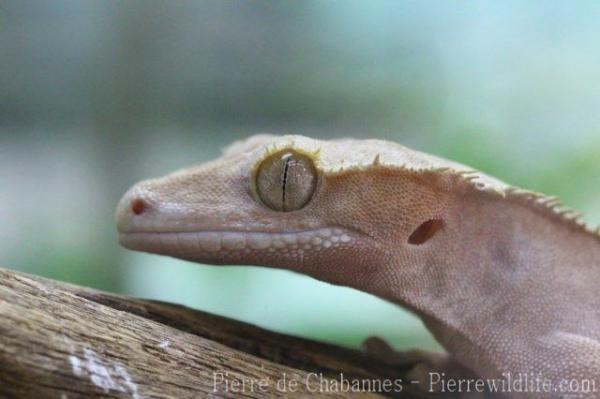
(287, 158)
(425, 231)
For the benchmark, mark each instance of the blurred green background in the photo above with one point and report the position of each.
(96, 95)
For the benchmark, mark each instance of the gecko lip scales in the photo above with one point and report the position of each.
(219, 241)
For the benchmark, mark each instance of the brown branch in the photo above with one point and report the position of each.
(62, 341)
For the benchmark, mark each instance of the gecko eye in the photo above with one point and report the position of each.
(286, 181)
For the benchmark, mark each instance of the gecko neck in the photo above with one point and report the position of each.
(509, 275)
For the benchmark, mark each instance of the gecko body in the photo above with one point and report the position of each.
(505, 279)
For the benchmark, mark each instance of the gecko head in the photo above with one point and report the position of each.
(283, 201)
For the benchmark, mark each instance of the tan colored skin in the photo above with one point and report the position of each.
(510, 284)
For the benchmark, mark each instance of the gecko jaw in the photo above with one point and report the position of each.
(209, 244)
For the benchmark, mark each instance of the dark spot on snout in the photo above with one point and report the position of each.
(138, 206)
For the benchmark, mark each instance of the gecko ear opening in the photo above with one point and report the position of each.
(425, 231)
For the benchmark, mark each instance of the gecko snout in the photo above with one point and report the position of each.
(133, 209)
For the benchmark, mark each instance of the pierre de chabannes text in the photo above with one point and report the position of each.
(437, 382)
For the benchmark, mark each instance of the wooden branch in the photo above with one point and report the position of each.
(62, 341)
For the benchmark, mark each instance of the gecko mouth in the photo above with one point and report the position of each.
(205, 243)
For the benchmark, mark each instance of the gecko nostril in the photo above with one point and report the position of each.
(138, 206)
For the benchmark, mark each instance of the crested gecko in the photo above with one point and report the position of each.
(504, 278)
